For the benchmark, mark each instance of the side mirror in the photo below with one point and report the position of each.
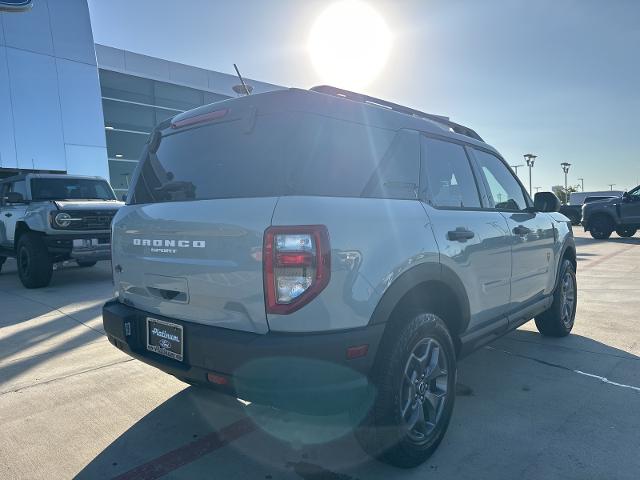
(14, 197)
(626, 197)
(124, 197)
(546, 202)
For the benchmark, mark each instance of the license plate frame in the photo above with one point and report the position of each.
(164, 340)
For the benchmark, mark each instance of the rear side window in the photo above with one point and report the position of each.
(447, 176)
(291, 153)
(505, 190)
(344, 159)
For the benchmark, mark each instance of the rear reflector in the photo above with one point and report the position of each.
(357, 352)
(293, 259)
(217, 379)
(205, 117)
(297, 266)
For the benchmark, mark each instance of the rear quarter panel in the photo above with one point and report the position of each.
(373, 241)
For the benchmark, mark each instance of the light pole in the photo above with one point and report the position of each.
(565, 168)
(537, 189)
(530, 158)
(611, 185)
(582, 184)
(515, 168)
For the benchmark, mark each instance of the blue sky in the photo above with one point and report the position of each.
(559, 78)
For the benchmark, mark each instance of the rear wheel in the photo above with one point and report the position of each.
(85, 263)
(415, 380)
(558, 320)
(601, 227)
(34, 263)
(626, 232)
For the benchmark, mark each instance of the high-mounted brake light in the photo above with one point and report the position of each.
(297, 266)
(205, 117)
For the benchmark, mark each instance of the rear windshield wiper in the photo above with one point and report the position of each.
(186, 188)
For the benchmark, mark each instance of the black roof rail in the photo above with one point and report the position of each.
(359, 97)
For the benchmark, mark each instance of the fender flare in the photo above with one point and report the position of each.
(569, 244)
(413, 277)
(21, 225)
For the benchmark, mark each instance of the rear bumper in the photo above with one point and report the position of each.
(300, 372)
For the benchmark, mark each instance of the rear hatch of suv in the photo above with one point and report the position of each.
(189, 243)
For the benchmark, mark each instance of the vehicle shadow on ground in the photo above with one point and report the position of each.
(199, 433)
(46, 337)
(613, 239)
(67, 275)
(37, 326)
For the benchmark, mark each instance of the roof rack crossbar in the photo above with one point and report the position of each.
(359, 97)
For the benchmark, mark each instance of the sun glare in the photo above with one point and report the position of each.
(349, 44)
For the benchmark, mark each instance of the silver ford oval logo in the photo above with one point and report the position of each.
(164, 343)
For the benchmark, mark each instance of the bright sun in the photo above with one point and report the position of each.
(349, 44)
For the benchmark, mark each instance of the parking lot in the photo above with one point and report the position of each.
(527, 407)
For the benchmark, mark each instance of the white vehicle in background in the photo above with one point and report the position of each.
(578, 198)
(49, 218)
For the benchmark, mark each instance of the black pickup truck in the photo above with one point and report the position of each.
(574, 212)
(619, 214)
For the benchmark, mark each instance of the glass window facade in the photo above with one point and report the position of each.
(132, 107)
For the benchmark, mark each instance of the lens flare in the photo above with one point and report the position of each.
(349, 44)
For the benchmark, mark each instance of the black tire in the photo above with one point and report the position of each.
(626, 232)
(558, 320)
(85, 263)
(601, 227)
(34, 263)
(386, 432)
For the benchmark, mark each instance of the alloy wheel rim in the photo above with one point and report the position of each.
(424, 389)
(568, 299)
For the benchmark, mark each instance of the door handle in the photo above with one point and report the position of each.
(8, 214)
(521, 230)
(460, 234)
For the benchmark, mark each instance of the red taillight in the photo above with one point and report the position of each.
(297, 266)
(205, 117)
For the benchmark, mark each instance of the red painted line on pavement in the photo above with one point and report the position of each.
(604, 258)
(181, 456)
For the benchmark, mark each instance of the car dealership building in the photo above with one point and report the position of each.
(70, 105)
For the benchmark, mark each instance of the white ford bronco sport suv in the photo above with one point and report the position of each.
(321, 249)
(50, 218)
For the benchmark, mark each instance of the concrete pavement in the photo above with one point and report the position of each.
(528, 407)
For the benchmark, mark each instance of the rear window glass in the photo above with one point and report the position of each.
(448, 175)
(280, 154)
